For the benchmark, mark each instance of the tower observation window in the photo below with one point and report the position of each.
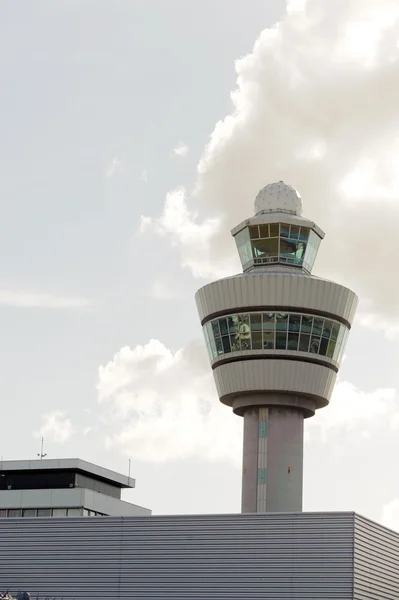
(277, 243)
(290, 331)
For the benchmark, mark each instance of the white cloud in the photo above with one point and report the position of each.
(390, 515)
(116, 165)
(306, 110)
(144, 176)
(162, 405)
(56, 427)
(182, 227)
(26, 299)
(355, 410)
(181, 150)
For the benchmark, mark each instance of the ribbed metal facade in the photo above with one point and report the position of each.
(262, 556)
(376, 572)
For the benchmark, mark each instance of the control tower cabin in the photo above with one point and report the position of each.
(275, 335)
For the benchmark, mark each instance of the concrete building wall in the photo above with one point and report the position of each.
(306, 556)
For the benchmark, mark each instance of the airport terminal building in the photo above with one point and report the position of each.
(275, 335)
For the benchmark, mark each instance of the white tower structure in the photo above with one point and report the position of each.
(275, 335)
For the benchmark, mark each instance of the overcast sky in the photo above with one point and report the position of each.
(134, 135)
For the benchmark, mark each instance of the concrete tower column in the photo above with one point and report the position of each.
(275, 336)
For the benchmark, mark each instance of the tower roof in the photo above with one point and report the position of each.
(278, 197)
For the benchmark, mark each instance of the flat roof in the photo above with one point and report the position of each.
(70, 464)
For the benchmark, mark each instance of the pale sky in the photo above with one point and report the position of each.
(132, 141)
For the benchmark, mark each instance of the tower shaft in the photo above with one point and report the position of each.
(272, 460)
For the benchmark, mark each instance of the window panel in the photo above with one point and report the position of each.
(59, 512)
(304, 234)
(223, 326)
(226, 344)
(268, 340)
(282, 321)
(219, 346)
(314, 345)
(331, 348)
(281, 341)
(284, 230)
(212, 348)
(3, 513)
(256, 322)
(74, 512)
(235, 343)
(44, 512)
(337, 349)
(254, 232)
(266, 248)
(304, 342)
(293, 339)
(264, 231)
(317, 326)
(307, 324)
(323, 346)
(29, 512)
(274, 229)
(334, 331)
(256, 340)
(232, 322)
(294, 322)
(294, 232)
(268, 321)
(215, 329)
(14, 512)
(327, 328)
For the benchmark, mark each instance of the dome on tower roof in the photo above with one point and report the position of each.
(278, 196)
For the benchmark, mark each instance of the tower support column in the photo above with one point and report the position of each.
(272, 459)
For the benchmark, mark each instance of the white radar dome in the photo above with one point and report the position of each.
(278, 196)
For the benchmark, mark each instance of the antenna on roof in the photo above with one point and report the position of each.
(41, 455)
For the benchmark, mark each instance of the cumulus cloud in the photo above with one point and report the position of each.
(181, 150)
(162, 405)
(56, 427)
(316, 106)
(26, 299)
(352, 410)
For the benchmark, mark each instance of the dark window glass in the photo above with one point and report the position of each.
(268, 340)
(215, 329)
(3, 513)
(235, 343)
(281, 341)
(268, 321)
(14, 512)
(29, 512)
(223, 326)
(284, 230)
(254, 232)
(317, 326)
(265, 248)
(294, 232)
(264, 231)
(307, 324)
(295, 322)
(304, 342)
(219, 346)
(44, 512)
(334, 332)
(293, 341)
(314, 345)
(233, 323)
(328, 325)
(257, 340)
(256, 322)
(282, 321)
(226, 343)
(246, 343)
(323, 346)
(304, 234)
(274, 230)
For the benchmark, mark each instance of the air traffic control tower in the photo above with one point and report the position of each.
(275, 335)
